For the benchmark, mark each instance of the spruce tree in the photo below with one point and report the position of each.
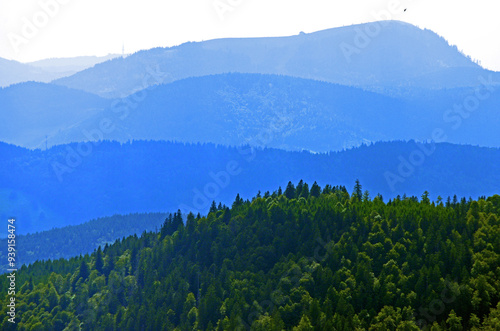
(290, 191)
(358, 190)
(99, 263)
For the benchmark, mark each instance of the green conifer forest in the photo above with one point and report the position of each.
(302, 258)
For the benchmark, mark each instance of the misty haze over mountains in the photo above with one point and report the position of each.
(347, 179)
(260, 110)
(13, 72)
(384, 55)
(421, 82)
(325, 91)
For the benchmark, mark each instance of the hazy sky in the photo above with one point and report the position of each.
(32, 30)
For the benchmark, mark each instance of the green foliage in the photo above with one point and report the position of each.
(358, 190)
(80, 239)
(306, 259)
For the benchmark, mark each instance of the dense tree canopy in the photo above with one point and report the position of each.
(298, 259)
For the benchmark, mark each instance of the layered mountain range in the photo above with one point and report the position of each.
(313, 105)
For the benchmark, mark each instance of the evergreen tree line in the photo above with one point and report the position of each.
(75, 240)
(302, 258)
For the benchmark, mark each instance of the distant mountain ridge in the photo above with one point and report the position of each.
(31, 111)
(289, 113)
(13, 72)
(71, 65)
(387, 54)
(70, 184)
(261, 110)
(196, 92)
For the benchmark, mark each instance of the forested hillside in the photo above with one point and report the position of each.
(305, 258)
(71, 241)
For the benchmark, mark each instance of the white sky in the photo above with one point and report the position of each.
(99, 27)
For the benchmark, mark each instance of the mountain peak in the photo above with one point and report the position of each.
(381, 55)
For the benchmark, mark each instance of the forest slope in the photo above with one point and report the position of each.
(304, 258)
